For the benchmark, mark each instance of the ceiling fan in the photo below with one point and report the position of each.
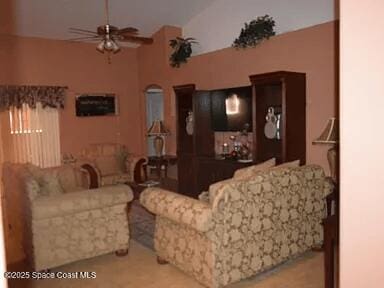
(108, 36)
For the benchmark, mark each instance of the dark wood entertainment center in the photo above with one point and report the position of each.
(198, 166)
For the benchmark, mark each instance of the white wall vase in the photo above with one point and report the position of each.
(189, 123)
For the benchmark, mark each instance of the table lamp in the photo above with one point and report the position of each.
(330, 136)
(158, 129)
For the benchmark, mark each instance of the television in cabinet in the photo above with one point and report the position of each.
(224, 120)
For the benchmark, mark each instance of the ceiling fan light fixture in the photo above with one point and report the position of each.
(110, 35)
(116, 48)
(100, 46)
(109, 44)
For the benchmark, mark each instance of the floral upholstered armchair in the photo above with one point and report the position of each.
(110, 164)
(245, 227)
(62, 220)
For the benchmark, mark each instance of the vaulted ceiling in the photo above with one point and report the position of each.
(52, 18)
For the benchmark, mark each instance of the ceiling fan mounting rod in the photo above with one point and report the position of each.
(107, 11)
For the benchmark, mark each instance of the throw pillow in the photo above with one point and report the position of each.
(204, 196)
(50, 184)
(295, 163)
(215, 188)
(252, 170)
(33, 188)
(36, 172)
(67, 178)
(240, 174)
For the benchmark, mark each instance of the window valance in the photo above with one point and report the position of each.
(16, 96)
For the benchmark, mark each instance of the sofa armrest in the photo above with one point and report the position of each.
(75, 202)
(94, 174)
(179, 208)
(135, 166)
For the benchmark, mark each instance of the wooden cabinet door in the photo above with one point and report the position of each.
(184, 105)
(268, 95)
(186, 175)
(285, 92)
(207, 174)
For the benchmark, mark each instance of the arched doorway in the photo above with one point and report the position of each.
(154, 97)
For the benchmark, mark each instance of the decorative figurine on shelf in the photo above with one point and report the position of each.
(235, 154)
(237, 146)
(225, 150)
(244, 152)
(244, 132)
(189, 123)
(272, 125)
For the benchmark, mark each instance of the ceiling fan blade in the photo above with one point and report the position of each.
(74, 30)
(128, 30)
(84, 34)
(92, 38)
(138, 39)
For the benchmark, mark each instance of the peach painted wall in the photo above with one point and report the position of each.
(310, 50)
(50, 62)
(155, 70)
(361, 143)
(79, 66)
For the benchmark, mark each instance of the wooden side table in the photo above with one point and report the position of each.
(161, 161)
(137, 188)
(331, 239)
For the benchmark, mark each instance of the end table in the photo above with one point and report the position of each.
(136, 189)
(158, 162)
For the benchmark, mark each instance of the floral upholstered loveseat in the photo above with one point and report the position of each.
(62, 220)
(112, 164)
(245, 227)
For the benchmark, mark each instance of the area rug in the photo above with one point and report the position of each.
(142, 225)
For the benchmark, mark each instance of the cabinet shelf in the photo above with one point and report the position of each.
(286, 93)
(197, 167)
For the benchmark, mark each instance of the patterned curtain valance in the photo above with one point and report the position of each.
(51, 96)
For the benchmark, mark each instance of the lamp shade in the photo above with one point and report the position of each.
(157, 128)
(330, 134)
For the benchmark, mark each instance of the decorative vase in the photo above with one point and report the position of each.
(189, 123)
(244, 152)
